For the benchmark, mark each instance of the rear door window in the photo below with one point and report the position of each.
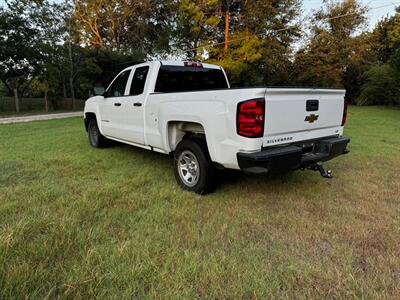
(138, 81)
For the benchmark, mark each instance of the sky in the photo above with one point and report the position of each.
(376, 14)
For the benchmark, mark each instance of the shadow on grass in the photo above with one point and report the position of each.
(226, 177)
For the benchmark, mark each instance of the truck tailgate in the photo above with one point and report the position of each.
(293, 114)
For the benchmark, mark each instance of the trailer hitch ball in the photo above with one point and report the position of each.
(320, 168)
(329, 173)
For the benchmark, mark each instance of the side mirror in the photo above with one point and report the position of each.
(99, 90)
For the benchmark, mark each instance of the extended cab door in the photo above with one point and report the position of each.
(111, 107)
(131, 122)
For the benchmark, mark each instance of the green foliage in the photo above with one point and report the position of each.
(259, 51)
(382, 81)
(196, 24)
(99, 66)
(241, 61)
(21, 57)
(382, 84)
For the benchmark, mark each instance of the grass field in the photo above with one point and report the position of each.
(77, 222)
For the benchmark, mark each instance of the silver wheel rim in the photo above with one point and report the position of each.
(188, 168)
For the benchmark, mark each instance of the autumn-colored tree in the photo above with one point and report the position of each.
(361, 59)
(386, 37)
(129, 26)
(332, 45)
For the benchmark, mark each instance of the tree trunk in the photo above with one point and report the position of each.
(71, 65)
(64, 87)
(71, 76)
(226, 30)
(46, 101)
(16, 99)
(71, 83)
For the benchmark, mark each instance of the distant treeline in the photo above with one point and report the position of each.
(64, 49)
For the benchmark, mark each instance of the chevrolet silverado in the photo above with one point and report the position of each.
(188, 110)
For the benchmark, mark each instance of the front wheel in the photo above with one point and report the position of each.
(96, 139)
(193, 168)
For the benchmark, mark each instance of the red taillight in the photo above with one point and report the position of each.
(194, 64)
(250, 118)
(344, 117)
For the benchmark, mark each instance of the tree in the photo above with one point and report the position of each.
(245, 37)
(51, 19)
(362, 58)
(332, 46)
(41, 85)
(196, 22)
(382, 86)
(386, 37)
(127, 26)
(381, 82)
(21, 56)
(32, 49)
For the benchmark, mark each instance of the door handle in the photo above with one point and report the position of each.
(137, 104)
(117, 104)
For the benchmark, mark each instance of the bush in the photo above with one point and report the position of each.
(382, 86)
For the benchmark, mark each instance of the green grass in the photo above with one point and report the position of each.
(77, 222)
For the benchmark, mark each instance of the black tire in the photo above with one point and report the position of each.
(96, 139)
(195, 149)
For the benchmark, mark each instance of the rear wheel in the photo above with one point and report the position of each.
(96, 139)
(193, 168)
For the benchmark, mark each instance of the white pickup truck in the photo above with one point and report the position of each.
(188, 110)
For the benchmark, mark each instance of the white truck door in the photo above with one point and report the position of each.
(111, 107)
(132, 119)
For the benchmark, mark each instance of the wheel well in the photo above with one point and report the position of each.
(178, 130)
(89, 116)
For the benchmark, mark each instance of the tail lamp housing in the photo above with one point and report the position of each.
(250, 118)
(344, 117)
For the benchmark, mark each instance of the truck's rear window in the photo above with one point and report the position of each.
(180, 79)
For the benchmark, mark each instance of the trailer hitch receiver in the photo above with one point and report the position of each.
(320, 168)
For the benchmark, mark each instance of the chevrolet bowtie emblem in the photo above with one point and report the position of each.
(311, 118)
